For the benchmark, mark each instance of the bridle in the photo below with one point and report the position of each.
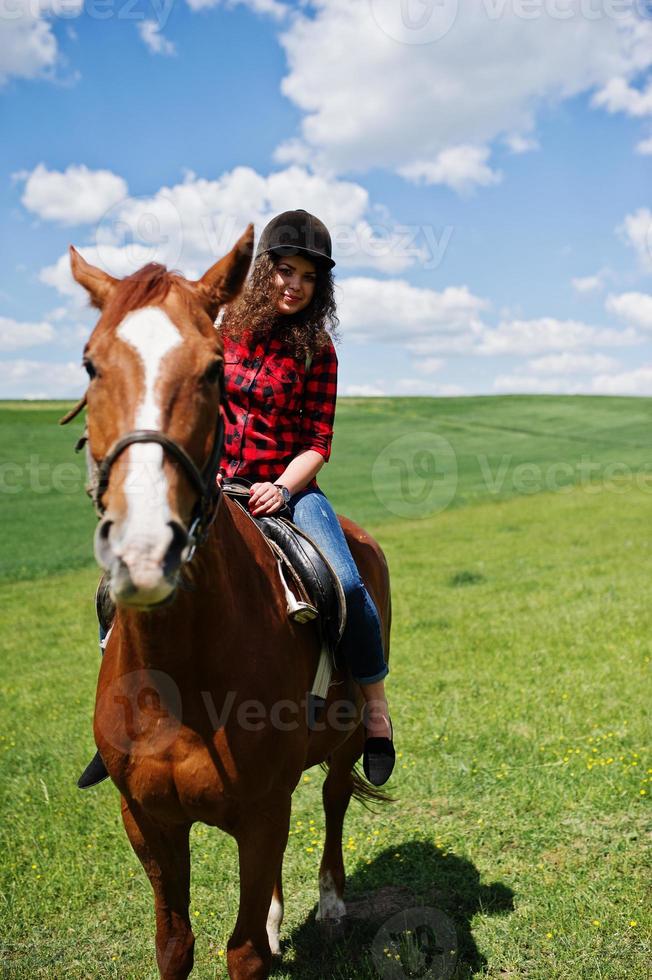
(203, 481)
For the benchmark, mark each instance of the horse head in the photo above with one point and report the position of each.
(155, 367)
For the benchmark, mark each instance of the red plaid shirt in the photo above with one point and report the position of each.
(280, 409)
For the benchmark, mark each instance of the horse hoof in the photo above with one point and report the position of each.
(332, 930)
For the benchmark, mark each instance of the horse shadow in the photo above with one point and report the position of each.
(410, 884)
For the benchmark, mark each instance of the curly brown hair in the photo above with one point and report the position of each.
(254, 311)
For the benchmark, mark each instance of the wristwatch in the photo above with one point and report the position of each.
(285, 493)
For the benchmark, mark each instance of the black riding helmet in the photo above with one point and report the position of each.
(297, 233)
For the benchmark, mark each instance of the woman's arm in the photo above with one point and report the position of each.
(265, 498)
(301, 470)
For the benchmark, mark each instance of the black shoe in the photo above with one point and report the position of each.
(94, 773)
(378, 758)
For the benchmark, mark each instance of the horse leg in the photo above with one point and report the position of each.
(275, 914)
(336, 794)
(261, 844)
(164, 852)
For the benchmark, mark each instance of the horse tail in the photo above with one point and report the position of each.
(367, 794)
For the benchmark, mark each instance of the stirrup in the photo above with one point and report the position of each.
(302, 612)
(297, 609)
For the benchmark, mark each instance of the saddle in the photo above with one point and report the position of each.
(312, 587)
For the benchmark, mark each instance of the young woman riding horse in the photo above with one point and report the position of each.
(281, 383)
(201, 635)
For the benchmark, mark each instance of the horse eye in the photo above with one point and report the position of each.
(214, 372)
(90, 368)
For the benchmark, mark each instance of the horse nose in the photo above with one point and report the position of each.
(174, 554)
(143, 570)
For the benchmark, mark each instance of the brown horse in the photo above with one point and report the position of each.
(201, 702)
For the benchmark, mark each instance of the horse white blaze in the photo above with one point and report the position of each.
(145, 535)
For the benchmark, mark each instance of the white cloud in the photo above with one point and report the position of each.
(70, 332)
(154, 40)
(418, 386)
(428, 323)
(626, 383)
(618, 96)
(189, 225)
(634, 308)
(364, 391)
(430, 365)
(588, 284)
(373, 95)
(41, 379)
(459, 167)
(28, 46)
(549, 334)
(58, 313)
(645, 147)
(562, 373)
(636, 382)
(571, 378)
(75, 196)
(294, 151)
(636, 230)
(423, 320)
(517, 384)
(566, 363)
(272, 7)
(518, 143)
(403, 386)
(120, 261)
(15, 335)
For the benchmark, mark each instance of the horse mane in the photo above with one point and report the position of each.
(147, 287)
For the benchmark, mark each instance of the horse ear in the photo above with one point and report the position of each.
(225, 279)
(97, 284)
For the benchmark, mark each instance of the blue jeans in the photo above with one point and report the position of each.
(361, 645)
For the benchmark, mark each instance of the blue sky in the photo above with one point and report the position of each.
(485, 172)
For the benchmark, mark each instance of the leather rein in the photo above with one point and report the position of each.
(204, 481)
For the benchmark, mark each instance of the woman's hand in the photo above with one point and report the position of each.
(264, 498)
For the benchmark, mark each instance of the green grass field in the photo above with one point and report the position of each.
(519, 547)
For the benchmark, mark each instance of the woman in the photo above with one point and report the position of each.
(281, 382)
